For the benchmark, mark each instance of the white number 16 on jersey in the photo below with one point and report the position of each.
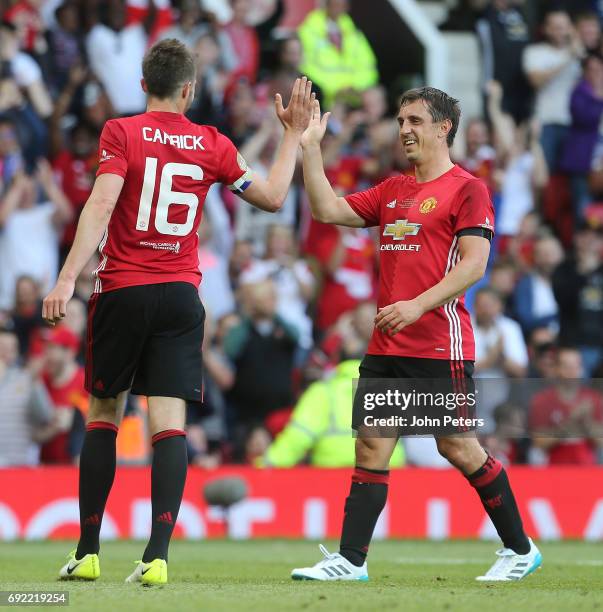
(167, 197)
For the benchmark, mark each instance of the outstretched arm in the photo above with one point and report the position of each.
(90, 229)
(326, 206)
(270, 193)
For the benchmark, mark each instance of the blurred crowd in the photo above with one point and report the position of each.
(290, 302)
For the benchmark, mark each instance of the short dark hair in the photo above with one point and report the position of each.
(166, 67)
(441, 106)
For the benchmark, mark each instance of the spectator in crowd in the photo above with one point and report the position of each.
(534, 301)
(480, 155)
(586, 110)
(337, 55)
(320, 426)
(194, 23)
(64, 380)
(25, 16)
(346, 257)
(66, 44)
(499, 345)
(25, 406)
(566, 420)
(212, 78)
(588, 27)
(541, 351)
(503, 279)
(292, 278)
(24, 70)
(261, 338)
(23, 218)
(26, 313)
(11, 158)
(503, 34)
(500, 352)
(553, 67)
(215, 290)
(509, 442)
(523, 169)
(74, 168)
(115, 50)
(24, 97)
(240, 259)
(578, 288)
(246, 39)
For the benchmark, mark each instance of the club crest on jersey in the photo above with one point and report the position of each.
(428, 205)
(401, 228)
(391, 204)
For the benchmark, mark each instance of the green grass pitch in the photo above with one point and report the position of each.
(254, 575)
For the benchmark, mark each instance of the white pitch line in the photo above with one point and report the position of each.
(456, 561)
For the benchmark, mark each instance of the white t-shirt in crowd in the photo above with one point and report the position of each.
(495, 390)
(29, 245)
(290, 304)
(553, 98)
(543, 298)
(116, 58)
(25, 69)
(517, 198)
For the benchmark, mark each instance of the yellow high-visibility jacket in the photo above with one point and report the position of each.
(320, 426)
(355, 66)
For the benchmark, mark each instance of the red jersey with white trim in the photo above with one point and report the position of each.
(168, 164)
(419, 226)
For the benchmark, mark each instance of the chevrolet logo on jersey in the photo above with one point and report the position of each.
(401, 228)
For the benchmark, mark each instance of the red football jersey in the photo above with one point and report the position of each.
(419, 245)
(168, 164)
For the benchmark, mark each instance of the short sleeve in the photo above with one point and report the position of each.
(367, 204)
(234, 172)
(473, 208)
(112, 150)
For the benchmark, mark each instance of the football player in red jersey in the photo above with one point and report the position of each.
(436, 228)
(145, 321)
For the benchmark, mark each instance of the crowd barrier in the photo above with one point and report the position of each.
(556, 503)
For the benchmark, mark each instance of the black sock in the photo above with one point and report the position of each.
(492, 485)
(168, 476)
(363, 506)
(97, 471)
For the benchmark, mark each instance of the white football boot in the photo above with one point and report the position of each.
(511, 566)
(332, 567)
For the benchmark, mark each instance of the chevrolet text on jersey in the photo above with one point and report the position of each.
(180, 141)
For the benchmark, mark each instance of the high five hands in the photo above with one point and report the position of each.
(296, 116)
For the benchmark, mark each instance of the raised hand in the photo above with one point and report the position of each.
(297, 114)
(316, 128)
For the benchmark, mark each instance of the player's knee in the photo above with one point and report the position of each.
(106, 409)
(452, 449)
(372, 453)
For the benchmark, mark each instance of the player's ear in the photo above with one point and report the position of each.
(144, 86)
(445, 128)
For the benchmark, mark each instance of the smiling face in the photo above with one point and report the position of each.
(421, 137)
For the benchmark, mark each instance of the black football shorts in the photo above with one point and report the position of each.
(429, 380)
(147, 338)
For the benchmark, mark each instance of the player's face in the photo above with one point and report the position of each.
(419, 134)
